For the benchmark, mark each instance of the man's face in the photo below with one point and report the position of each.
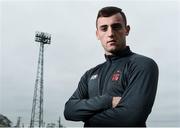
(112, 32)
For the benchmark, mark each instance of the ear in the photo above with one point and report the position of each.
(97, 34)
(127, 30)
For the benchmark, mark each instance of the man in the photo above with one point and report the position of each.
(120, 91)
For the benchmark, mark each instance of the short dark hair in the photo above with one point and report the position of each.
(109, 11)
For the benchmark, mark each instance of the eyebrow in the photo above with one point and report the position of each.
(102, 26)
(116, 24)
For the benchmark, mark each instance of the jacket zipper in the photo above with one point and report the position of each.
(102, 78)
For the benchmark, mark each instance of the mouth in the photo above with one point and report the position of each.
(111, 42)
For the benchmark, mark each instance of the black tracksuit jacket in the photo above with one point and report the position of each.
(128, 75)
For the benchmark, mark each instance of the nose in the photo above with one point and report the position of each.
(110, 32)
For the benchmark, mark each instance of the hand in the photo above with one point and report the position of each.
(115, 101)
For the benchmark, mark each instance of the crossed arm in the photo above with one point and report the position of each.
(106, 110)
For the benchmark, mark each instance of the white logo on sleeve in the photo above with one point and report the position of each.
(94, 77)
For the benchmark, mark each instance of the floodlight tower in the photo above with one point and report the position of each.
(37, 106)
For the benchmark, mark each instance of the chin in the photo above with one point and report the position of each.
(112, 50)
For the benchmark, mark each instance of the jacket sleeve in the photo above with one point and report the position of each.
(136, 102)
(80, 107)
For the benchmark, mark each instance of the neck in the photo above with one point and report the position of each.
(115, 52)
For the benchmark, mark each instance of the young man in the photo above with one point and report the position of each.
(120, 91)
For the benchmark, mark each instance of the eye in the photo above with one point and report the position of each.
(104, 28)
(116, 27)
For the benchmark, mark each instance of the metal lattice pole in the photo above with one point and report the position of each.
(37, 106)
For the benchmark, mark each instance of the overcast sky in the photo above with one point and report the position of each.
(155, 27)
